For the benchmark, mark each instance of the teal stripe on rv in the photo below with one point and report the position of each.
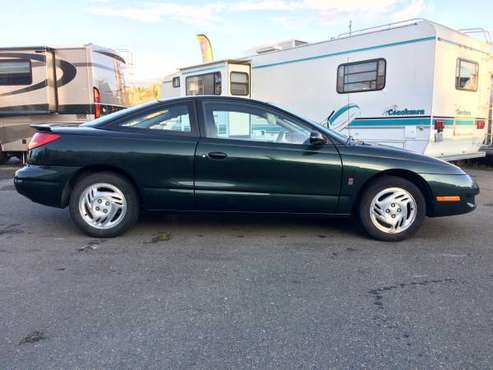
(202, 70)
(363, 122)
(391, 122)
(429, 38)
(342, 111)
(459, 122)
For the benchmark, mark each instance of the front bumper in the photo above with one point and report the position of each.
(43, 184)
(452, 185)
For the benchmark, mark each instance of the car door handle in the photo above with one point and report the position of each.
(217, 155)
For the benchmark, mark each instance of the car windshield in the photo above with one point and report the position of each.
(336, 135)
(112, 116)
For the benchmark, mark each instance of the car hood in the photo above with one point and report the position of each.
(389, 157)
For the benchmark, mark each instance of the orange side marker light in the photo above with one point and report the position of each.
(448, 198)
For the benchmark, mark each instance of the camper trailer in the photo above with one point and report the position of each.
(56, 86)
(414, 84)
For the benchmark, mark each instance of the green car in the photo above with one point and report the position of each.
(224, 154)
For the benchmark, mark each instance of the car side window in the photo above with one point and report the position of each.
(174, 118)
(243, 121)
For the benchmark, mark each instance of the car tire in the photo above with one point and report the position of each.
(392, 209)
(104, 205)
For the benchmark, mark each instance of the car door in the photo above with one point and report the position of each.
(157, 148)
(253, 157)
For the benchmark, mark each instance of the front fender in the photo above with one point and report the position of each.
(362, 163)
(462, 186)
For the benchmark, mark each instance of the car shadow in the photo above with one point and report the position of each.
(261, 223)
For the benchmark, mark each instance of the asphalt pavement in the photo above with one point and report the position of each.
(234, 292)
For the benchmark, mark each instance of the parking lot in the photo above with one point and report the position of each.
(213, 292)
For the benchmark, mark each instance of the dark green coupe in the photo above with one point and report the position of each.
(221, 154)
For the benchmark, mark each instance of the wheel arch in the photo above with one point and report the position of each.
(87, 170)
(411, 176)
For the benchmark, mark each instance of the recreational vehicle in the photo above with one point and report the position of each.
(416, 84)
(55, 85)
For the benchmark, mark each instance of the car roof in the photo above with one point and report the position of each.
(224, 98)
(218, 97)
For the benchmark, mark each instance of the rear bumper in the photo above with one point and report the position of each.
(452, 185)
(43, 184)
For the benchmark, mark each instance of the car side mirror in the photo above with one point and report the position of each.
(316, 138)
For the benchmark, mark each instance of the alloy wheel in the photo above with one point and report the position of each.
(393, 210)
(102, 206)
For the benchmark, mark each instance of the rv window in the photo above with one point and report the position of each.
(176, 82)
(368, 75)
(239, 83)
(15, 72)
(466, 76)
(206, 84)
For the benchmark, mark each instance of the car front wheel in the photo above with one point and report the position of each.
(104, 205)
(392, 209)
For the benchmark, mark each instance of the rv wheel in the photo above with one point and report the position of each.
(3, 157)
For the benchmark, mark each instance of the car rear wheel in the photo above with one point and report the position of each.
(104, 205)
(392, 209)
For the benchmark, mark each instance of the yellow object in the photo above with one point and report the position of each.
(140, 94)
(205, 48)
(448, 198)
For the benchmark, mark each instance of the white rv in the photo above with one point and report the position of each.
(55, 85)
(416, 85)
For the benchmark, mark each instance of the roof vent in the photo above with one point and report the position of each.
(279, 46)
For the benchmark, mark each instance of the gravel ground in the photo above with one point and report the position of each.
(221, 292)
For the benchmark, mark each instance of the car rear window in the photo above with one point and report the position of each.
(173, 118)
(115, 115)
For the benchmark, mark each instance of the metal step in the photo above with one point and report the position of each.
(488, 150)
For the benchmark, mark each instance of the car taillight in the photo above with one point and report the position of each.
(42, 138)
(97, 103)
(439, 125)
(480, 124)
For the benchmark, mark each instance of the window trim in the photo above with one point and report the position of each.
(247, 83)
(194, 132)
(30, 72)
(215, 73)
(261, 106)
(457, 74)
(362, 62)
(175, 85)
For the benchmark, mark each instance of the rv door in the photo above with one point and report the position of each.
(27, 81)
